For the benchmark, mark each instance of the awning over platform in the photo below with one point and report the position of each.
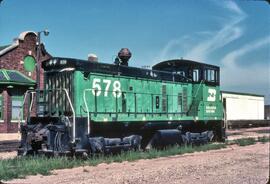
(14, 78)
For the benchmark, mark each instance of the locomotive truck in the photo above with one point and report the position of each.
(91, 107)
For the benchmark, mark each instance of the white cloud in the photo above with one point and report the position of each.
(255, 78)
(215, 39)
(230, 59)
(171, 44)
(246, 76)
(230, 31)
(233, 7)
(168, 52)
(223, 37)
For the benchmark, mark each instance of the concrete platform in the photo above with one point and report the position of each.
(9, 136)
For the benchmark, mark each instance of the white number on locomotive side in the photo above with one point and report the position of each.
(108, 83)
(96, 87)
(116, 89)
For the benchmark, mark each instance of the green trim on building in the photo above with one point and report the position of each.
(13, 77)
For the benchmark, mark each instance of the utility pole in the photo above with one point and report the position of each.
(38, 50)
(38, 62)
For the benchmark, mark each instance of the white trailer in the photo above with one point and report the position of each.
(242, 106)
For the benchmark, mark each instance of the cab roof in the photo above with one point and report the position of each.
(178, 63)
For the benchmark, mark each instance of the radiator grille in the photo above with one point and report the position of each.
(164, 98)
(185, 100)
(57, 101)
(179, 102)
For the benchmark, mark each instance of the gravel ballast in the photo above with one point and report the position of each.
(248, 164)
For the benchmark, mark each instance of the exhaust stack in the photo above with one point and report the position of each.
(123, 56)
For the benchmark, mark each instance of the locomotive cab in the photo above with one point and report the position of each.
(206, 102)
(194, 71)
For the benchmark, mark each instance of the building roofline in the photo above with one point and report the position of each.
(23, 34)
(240, 93)
(16, 42)
(3, 47)
(11, 47)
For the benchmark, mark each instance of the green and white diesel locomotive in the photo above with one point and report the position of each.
(90, 107)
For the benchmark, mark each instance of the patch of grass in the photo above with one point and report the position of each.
(23, 166)
(264, 139)
(245, 141)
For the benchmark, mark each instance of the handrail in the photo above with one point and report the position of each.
(193, 97)
(225, 119)
(87, 109)
(116, 112)
(198, 88)
(74, 117)
(73, 112)
(32, 97)
(22, 107)
(70, 103)
(129, 92)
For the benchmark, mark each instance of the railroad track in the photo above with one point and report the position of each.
(237, 124)
(10, 145)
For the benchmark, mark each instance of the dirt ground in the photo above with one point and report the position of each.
(248, 164)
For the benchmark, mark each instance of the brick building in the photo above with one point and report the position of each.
(16, 78)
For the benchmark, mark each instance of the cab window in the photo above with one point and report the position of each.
(210, 75)
(195, 76)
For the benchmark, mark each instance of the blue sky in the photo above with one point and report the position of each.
(234, 35)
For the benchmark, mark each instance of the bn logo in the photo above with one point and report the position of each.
(211, 95)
